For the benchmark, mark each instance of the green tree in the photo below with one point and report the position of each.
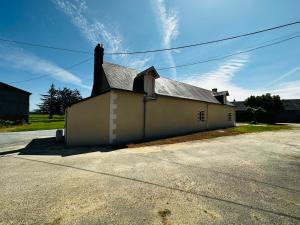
(254, 112)
(50, 103)
(271, 105)
(57, 100)
(66, 98)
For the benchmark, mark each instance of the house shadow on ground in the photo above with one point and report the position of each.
(49, 146)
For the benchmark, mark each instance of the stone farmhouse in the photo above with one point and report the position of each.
(127, 106)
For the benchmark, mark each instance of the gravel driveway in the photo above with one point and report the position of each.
(245, 179)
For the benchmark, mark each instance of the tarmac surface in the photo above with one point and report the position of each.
(244, 179)
(10, 139)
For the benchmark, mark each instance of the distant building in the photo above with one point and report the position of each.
(240, 112)
(14, 103)
(128, 105)
(290, 114)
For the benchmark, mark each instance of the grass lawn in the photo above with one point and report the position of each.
(248, 128)
(37, 122)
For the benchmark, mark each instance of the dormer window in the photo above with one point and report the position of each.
(220, 96)
(145, 82)
(149, 84)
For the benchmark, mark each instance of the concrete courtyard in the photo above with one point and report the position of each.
(244, 179)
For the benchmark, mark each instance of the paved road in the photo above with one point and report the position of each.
(11, 139)
(245, 179)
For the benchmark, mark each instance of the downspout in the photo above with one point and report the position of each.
(206, 116)
(66, 125)
(144, 117)
(234, 122)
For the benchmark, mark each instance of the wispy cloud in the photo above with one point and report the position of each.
(223, 79)
(95, 31)
(168, 22)
(19, 59)
(289, 73)
(286, 90)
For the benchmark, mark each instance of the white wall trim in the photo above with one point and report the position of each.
(112, 117)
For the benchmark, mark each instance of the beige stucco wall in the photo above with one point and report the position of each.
(117, 117)
(129, 117)
(218, 116)
(167, 116)
(87, 122)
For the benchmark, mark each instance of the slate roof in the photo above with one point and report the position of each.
(291, 104)
(120, 77)
(239, 106)
(288, 104)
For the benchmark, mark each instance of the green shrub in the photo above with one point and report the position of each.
(7, 123)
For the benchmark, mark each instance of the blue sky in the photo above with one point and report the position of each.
(141, 25)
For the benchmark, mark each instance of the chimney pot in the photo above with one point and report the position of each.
(98, 70)
(215, 90)
(99, 53)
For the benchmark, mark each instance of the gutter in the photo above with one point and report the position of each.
(207, 116)
(144, 117)
(145, 100)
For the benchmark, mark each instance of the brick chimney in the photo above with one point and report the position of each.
(98, 70)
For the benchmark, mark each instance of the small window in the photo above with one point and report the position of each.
(229, 117)
(201, 116)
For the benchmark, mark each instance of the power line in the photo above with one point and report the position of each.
(45, 46)
(178, 66)
(229, 55)
(149, 51)
(42, 76)
(207, 42)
